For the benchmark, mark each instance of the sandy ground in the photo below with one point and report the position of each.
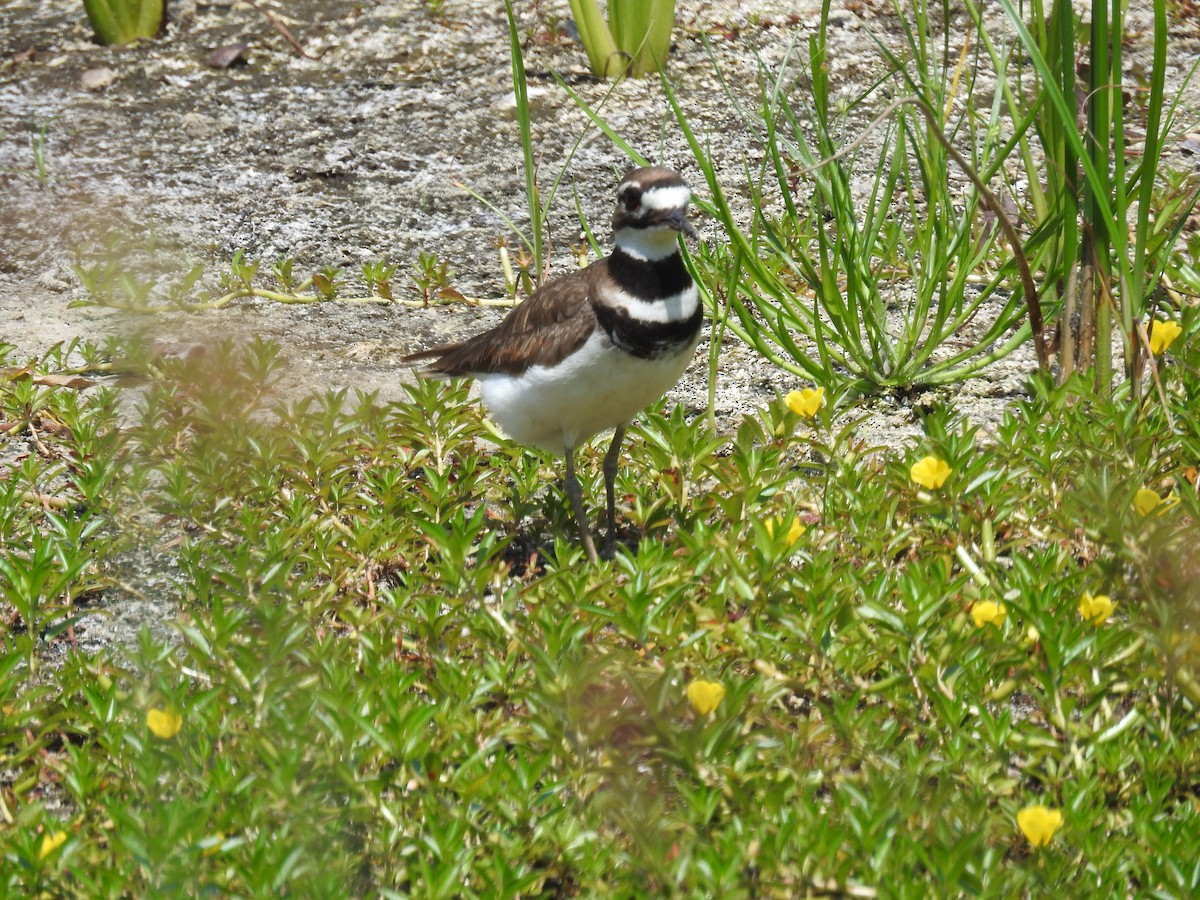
(358, 150)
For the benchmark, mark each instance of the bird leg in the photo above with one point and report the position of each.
(575, 495)
(611, 458)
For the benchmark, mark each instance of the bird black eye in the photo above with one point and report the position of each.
(632, 198)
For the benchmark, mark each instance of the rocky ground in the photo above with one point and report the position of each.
(354, 145)
(355, 151)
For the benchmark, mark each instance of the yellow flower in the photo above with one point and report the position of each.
(1146, 501)
(51, 841)
(794, 533)
(1163, 334)
(705, 696)
(165, 723)
(1096, 609)
(1038, 824)
(212, 845)
(930, 472)
(807, 402)
(988, 612)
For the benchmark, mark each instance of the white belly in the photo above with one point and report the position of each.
(593, 390)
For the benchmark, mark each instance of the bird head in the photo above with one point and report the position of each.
(652, 206)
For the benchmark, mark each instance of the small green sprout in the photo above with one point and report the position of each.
(635, 40)
(282, 270)
(431, 279)
(241, 272)
(378, 278)
(328, 282)
(124, 21)
(37, 143)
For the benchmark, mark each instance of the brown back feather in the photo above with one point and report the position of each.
(554, 322)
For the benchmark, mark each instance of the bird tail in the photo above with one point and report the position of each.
(436, 359)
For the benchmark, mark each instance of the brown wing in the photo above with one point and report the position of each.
(553, 323)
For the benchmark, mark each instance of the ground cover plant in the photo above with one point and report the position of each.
(819, 668)
(967, 664)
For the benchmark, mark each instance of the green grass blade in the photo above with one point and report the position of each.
(524, 122)
(606, 61)
(658, 35)
(1151, 152)
(1063, 110)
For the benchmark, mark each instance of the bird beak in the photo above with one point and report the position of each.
(678, 220)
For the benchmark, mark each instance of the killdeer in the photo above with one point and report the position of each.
(587, 352)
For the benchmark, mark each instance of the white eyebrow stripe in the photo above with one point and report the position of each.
(675, 197)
